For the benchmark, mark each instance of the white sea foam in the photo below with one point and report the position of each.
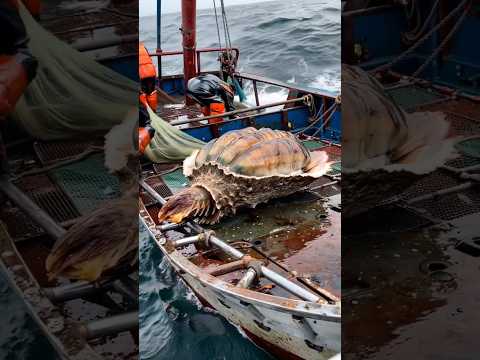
(327, 82)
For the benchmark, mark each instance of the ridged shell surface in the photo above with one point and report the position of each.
(253, 153)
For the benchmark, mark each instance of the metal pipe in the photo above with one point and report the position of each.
(159, 36)
(255, 90)
(229, 267)
(187, 241)
(447, 191)
(92, 28)
(72, 291)
(230, 250)
(151, 191)
(246, 117)
(104, 43)
(37, 214)
(189, 23)
(269, 274)
(247, 279)
(239, 111)
(167, 227)
(110, 325)
(289, 285)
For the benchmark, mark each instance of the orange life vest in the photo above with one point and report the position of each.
(144, 139)
(150, 99)
(146, 68)
(214, 109)
(14, 80)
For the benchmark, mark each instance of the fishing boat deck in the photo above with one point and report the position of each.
(66, 180)
(299, 236)
(425, 260)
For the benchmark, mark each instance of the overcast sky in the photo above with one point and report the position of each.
(149, 7)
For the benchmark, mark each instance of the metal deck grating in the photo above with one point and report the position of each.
(462, 125)
(444, 207)
(469, 147)
(159, 186)
(50, 152)
(313, 145)
(56, 204)
(411, 96)
(179, 112)
(437, 180)
(452, 206)
(87, 182)
(175, 180)
(336, 168)
(463, 161)
(49, 197)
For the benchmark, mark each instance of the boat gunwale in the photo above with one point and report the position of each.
(324, 312)
(264, 80)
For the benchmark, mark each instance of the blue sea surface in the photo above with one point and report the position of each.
(291, 41)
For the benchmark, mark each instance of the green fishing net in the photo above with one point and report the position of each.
(170, 144)
(72, 94)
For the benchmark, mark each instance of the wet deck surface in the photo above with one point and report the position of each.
(34, 245)
(407, 286)
(171, 112)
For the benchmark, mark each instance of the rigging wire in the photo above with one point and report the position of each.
(414, 35)
(443, 43)
(228, 42)
(218, 28)
(330, 111)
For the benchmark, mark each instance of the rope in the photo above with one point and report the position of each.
(422, 40)
(413, 35)
(327, 120)
(330, 111)
(228, 42)
(443, 43)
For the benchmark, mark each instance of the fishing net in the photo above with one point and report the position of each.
(72, 94)
(170, 144)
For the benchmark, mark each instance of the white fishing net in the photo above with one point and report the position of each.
(72, 94)
(170, 144)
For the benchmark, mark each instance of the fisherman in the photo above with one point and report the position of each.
(148, 96)
(213, 95)
(17, 65)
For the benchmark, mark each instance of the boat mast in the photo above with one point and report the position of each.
(189, 22)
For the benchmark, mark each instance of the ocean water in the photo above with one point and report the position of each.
(292, 41)
(296, 42)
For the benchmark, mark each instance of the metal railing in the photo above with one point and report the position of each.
(160, 53)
